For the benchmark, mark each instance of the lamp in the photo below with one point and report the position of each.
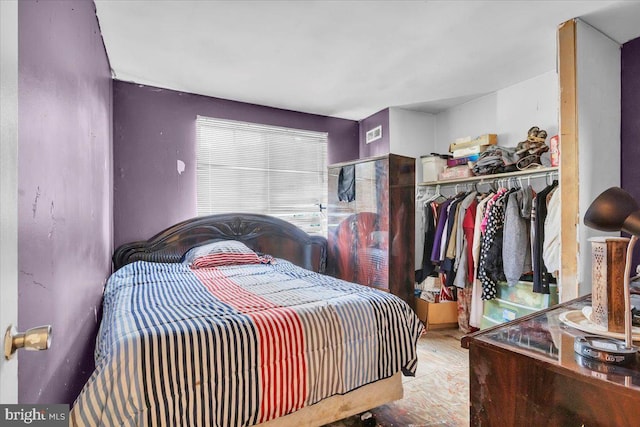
(614, 210)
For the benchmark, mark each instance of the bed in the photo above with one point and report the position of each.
(227, 320)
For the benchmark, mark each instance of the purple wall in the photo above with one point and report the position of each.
(64, 185)
(154, 128)
(381, 146)
(630, 122)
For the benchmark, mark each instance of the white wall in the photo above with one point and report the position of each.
(533, 102)
(598, 87)
(509, 113)
(412, 134)
(473, 118)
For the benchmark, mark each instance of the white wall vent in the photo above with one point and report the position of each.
(374, 134)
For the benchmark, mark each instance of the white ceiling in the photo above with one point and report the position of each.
(345, 59)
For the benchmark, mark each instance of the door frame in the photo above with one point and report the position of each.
(8, 190)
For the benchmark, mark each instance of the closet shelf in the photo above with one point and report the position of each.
(542, 171)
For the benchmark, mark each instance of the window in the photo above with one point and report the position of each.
(246, 167)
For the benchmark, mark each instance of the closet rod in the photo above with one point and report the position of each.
(481, 179)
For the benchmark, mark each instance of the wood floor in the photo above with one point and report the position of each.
(437, 396)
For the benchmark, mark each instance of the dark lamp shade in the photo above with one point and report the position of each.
(632, 224)
(612, 211)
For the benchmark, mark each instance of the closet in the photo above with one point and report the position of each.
(489, 239)
(371, 228)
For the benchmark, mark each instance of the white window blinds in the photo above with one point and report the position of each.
(246, 167)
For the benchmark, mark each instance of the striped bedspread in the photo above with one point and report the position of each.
(237, 345)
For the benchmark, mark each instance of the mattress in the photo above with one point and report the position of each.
(237, 345)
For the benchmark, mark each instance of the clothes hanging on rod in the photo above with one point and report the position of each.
(490, 269)
(428, 205)
(475, 240)
(442, 215)
(468, 226)
(464, 235)
(516, 249)
(455, 246)
(476, 309)
(541, 276)
(551, 246)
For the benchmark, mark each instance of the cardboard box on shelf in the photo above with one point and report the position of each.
(486, 139)
(456, 172)
(437, 315)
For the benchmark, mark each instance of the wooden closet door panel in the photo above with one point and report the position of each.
(402, 227)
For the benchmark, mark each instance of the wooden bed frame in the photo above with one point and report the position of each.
(280, 239)
(261, 233)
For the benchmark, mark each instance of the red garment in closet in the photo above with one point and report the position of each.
(468, 225)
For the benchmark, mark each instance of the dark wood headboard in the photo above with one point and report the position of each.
(261, 233)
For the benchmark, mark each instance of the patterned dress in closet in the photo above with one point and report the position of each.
(489, 265)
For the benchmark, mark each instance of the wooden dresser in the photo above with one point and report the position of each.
(526, 373)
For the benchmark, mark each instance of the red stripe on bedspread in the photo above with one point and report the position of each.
(283, 382)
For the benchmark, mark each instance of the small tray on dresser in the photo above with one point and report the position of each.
(577, 319)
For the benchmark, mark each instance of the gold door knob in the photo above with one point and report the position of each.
(38, 338)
